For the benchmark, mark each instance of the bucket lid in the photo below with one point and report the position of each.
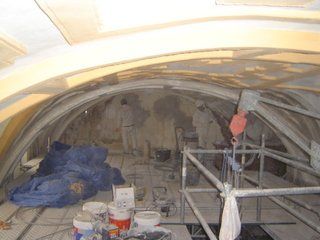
(83, 220)
(95, 207)
(113, 207)
(147, 218)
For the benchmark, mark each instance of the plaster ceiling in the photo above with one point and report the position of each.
(9, 50)
(24, 21)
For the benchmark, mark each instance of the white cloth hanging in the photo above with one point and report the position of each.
(231, 224)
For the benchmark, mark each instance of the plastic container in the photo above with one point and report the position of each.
(119, 217)
(146, 220)
(97, 209)
(83, 227)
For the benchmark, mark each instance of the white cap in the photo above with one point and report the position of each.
(199, 103)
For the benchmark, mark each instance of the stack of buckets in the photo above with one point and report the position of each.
(83, 223)
(119, 217)
(119, 220)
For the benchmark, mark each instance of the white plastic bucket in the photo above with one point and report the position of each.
(119, 217)
(83, 226)
(98, 209)
(146, 219)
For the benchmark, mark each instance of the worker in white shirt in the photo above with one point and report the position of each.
(202, 118)
(127, 125)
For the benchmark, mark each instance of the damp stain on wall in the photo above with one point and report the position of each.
(169, 108)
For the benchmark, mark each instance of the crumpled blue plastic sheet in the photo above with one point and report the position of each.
(66, 175)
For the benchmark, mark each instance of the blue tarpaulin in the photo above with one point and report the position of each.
(66, 175)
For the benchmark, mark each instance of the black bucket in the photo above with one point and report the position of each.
(162, 154)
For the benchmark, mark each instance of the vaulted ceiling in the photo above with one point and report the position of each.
(53, 48)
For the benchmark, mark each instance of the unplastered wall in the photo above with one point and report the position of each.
(156, 112)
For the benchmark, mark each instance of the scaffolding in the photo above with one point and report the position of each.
(262, 190)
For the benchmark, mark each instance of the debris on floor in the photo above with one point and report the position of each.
(162, 203)
(66, 175)
(4, 225)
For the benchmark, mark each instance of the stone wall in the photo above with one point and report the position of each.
(156, 113)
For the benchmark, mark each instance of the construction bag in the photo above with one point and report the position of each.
(230, 225)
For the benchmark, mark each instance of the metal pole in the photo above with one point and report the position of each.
(275, 192)
(243, 161)
(283, 154)
(205, 171)
(243, 156)
(183, 185)
(296, 201)
(201, 190)
(300, 166)
(219, 151)
(260, 178)
(199, 216)
(289, 209)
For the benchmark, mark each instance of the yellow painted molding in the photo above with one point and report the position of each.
(292, 57)
(13, 128)
(110, 53)
(80, 78)
(84, 63)
(22, 103)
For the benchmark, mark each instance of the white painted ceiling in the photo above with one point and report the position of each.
(24, 20)
(29, 25)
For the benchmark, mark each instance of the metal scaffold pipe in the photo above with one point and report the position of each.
(289, 209)
(220, 151)
(205, 171)
(199, 216)
(279, 153)
(202, 190)
(240, 193)
(292, 199)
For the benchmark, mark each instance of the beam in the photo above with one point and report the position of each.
(283, 127)
(298, 165)
(199, 216)
(290, 108)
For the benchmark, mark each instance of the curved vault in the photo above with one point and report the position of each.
(58, 109)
